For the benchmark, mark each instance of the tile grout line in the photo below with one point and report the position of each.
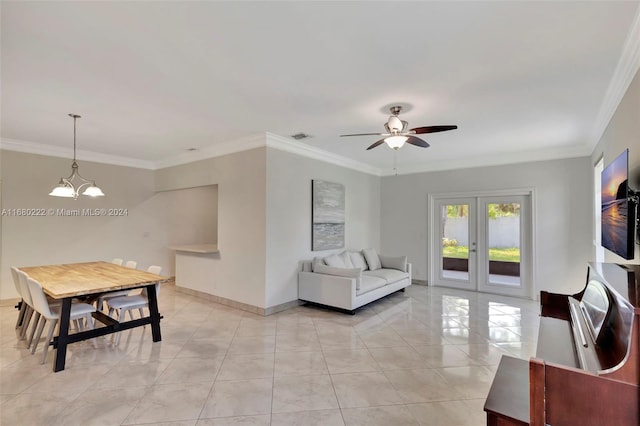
(218, 372)
(333, 386)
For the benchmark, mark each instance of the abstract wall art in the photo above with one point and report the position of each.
(328, 201)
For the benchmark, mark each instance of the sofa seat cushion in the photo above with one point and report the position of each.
(388, 275)
(369, 283)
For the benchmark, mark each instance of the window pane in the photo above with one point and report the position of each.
(504, 243)
(455, 241)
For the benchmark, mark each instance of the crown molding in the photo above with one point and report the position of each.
(289, 145)
(56, 151)
(282, 143)
(623, 75)
(217, 150)
(238, 145)
(574, 151)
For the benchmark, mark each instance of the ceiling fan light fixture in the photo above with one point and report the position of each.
(397, 132)
(395, 142)
(395, 124)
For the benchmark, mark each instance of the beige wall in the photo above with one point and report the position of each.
(622, 132)
(222, 199)
(561, 214)
(289, 216)
(40, 240)
(1, 218)
(241, 183)
(151, 223)
(218, 200)
(264, 218)
(191, 215)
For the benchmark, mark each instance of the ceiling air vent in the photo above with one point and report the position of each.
(300, 135)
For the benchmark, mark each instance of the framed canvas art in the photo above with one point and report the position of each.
(328, 202)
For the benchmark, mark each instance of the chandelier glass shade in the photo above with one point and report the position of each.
(72, 186)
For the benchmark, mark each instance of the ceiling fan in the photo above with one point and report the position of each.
(397, 133)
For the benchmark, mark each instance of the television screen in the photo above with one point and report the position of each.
(618, 212)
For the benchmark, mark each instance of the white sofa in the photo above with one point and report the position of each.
(348, 285)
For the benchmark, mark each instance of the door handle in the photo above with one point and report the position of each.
(473, 250)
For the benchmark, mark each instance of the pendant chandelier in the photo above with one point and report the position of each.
(67, 187)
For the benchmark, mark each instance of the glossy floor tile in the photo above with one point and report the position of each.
(423, 357)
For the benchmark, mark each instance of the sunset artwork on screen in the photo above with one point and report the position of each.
(615, 208)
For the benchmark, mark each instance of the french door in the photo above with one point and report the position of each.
(482, 243)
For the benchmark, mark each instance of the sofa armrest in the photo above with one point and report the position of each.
(330, 290)
(397, 262)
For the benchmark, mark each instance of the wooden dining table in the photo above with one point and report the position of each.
(88, 281)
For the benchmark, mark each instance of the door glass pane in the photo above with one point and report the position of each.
(455, 241)
(504, 243)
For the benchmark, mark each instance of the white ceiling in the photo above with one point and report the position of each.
(522, 80)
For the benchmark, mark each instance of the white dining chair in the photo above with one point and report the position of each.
(107, 296)
(23, 305)
(26, 296)
(122, 305)
(32, 316)
(79, 311)
(154, 269)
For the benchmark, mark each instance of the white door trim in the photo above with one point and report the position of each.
(432, 250)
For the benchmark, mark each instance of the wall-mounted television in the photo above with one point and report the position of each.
(618, 210)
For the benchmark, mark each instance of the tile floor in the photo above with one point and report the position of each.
(423, 357)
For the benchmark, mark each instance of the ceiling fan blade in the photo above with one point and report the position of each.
(381, 141)
(417, 142)
(432, 129)
(367, 134)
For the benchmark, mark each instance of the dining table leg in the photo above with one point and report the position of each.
(61, 346)
(154, 313)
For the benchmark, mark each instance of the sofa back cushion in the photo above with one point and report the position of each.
(341, 260)
(372, 258)
(358, 260)
(347, 260)
(317, 261)
(334, 261)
